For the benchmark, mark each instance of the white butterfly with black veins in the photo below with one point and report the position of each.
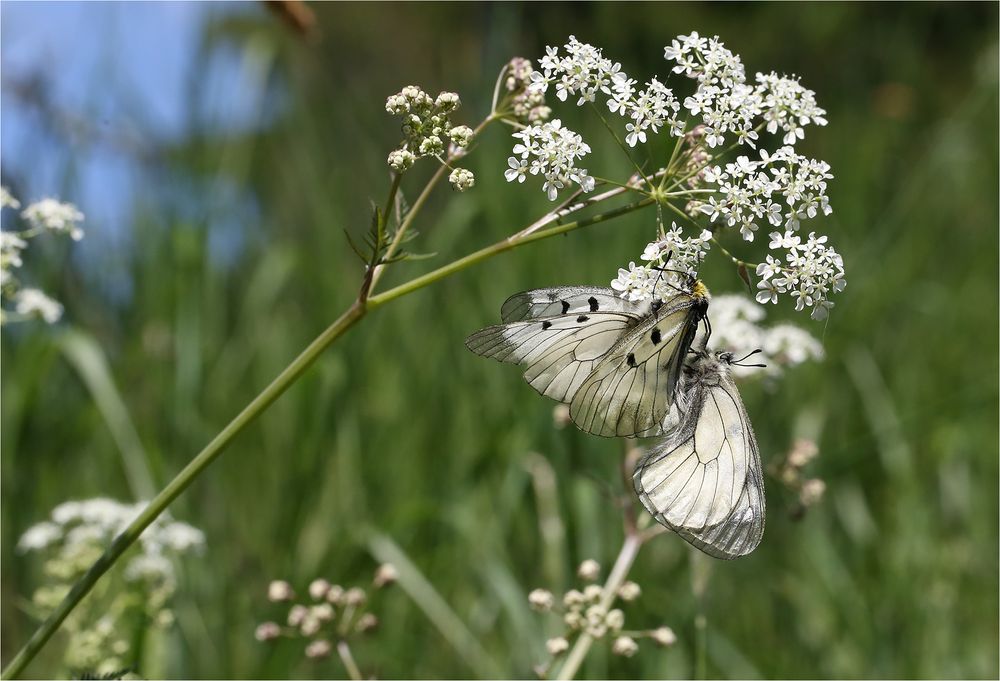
(615, 362)
(704, 480)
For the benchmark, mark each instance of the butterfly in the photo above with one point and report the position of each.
(616, 362)
(704, 480)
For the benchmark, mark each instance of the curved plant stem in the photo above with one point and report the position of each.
(278, 386)
(629, 550)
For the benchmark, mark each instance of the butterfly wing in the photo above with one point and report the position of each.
(561, 300)
(631, 389)
(559, 351)
(705, 480)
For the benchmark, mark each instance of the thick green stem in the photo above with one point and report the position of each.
(260, 404)
(496, 249)
(630, 549)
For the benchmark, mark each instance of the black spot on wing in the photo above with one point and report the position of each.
(631, 360)
(655, 337)
(565, 306)
(582, 318)
(546, 325)
(593, 304)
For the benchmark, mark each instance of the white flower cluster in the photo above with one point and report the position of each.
(527, 104)
(728, 104)
(54, 216)
(649, 109)
(76, 534)
(427, 127)
(783, 188)
(46, 215)
(582, 72)
(736, 327)
(553, 152)
(787, 105)
(79, 528)
(809, 272)
(672, 261)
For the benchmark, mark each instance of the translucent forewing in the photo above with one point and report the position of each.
(704, 481)
(631, 389)
(572, 337)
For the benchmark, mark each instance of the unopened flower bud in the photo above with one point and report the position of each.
(625, 646)
(460, 135)
(297, 614)
(592, 593)
(323, 612)
(310, 625)
(812, 491)
(385, 575)
(629, 591)
(279, 590)
(574, 619)
(589, 570)
(267, 631)
(335, 594)
(447, 101)
(615, 620)
(560, 416)
(318, 649)
(401, 160)
(366, 622)
(541, 600)
(318, 589)
(354, 596)
(557, 645)
(462, 179)
(803, 451)
(664, 636)
(573, 599)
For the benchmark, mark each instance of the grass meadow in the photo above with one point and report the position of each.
(399, 445)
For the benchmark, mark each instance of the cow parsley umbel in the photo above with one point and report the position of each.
(710, 109)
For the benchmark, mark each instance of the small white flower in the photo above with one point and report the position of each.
(615, 620)
(7, 200)
(354, 596)
(323, 612)
(549, 150)
(573, 599)
(812, 491)
(150, 567)
(55, 216)
(39, 536)
(31, 301)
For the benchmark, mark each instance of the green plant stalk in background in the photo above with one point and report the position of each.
(281, 383)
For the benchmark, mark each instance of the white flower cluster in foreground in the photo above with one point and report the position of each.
(428, 131)
(736, 327)
(44, 216)
(104, 627)
(683, 255)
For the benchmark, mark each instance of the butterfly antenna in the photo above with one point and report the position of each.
(739, 362)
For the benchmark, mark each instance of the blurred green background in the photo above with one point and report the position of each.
(230, 256)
